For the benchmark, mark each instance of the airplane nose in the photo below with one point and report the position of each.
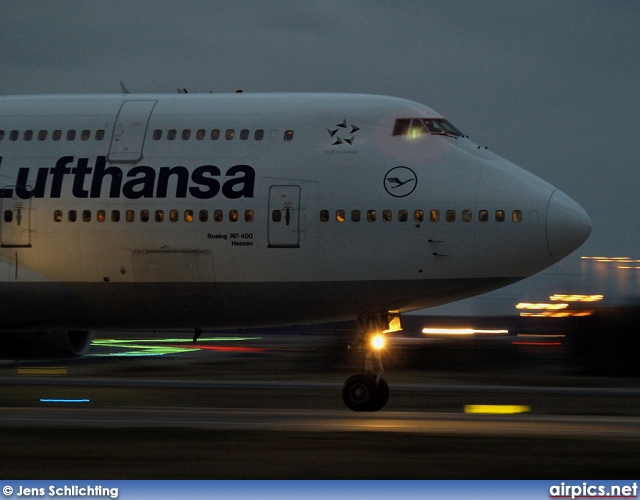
(568, 225)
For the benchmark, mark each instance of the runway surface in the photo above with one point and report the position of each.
(325, 421)
(270, 413)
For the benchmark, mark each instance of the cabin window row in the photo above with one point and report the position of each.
(145, 215)
(419, 215)
(56, 135)
(216, 134)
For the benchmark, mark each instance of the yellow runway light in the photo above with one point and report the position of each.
(576, 298)
(541, 306)
(42, 371)
(462, 331)
(496, 409)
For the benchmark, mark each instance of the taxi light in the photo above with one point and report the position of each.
(378, 342)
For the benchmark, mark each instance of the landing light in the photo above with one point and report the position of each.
(378, 342)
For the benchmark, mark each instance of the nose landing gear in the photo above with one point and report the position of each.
(368, 391)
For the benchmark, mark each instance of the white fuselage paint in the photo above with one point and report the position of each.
(118, 274)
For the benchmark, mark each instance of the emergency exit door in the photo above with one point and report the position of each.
(129, 132)
(284, 217)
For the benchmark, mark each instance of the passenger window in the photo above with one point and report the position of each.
(131, 216)
(99, 135)
(233, 216)
(371, 215)
(340, 215)
(71, 135)
(72, 215)
(500, 215)
(157, 134)
(204, 215)
(418, 215)
(144, 215)
(324, 215)
(276, 215)
(403, 216)
(288, 135)
(466, 216)
(483, 215)
(171, 134)
(186, 134)
(115, 215)
(248, 215)
(13, 136)
(215, 134)
(86, 215)
(229, 134)
(1, 135)
(218, 215)
(86, 135)
(516, 216)
(174, 215)
(387, 216)
(434, 216)
(8, 215)
(28, 135)
(258, 135)
(57, 135)
(355, 215)
(451, 215)
(100, 216)
(244, 134)
(159, 215)
(42, 135)
(188, 215)
(200, 134)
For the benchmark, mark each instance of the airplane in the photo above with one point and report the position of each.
(211, 211)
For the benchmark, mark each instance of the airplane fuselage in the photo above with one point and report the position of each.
(175, 211)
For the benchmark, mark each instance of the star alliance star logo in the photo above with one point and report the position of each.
(343, 133)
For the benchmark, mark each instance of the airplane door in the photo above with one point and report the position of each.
(284, 217)
(15, 223)
(129, 132)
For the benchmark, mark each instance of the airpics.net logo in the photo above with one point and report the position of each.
(586, 490)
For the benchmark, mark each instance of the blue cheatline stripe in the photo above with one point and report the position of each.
(64, 400)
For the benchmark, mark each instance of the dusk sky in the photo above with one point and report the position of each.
(552, 86)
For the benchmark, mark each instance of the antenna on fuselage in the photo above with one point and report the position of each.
(125, 90)
(182, 91)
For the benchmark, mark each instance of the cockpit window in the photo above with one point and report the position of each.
(413, 127)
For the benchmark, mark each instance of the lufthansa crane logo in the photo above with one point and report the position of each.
(343, 132)
(400, 181)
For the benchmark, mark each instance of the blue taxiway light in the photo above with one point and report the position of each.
(64, 400)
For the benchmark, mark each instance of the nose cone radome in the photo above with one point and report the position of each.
(568, 225)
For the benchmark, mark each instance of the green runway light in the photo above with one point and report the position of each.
(146, 347)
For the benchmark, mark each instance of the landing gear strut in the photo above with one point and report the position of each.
(368, 391)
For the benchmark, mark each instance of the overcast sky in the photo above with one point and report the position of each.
(553, 86)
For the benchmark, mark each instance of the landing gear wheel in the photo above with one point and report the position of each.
(359, 392)
(382, 396)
